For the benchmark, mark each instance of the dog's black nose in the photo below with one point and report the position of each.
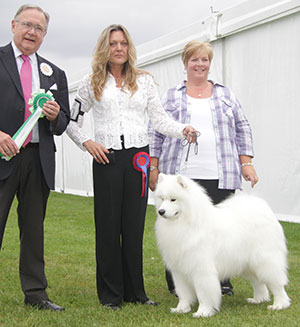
(161, 212)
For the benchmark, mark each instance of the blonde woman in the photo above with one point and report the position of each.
(225, 148)
(122, 99)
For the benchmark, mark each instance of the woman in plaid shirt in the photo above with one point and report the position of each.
(224, 148)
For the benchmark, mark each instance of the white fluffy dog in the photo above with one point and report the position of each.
(203, 244)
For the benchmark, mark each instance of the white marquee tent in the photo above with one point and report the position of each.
(257, 54)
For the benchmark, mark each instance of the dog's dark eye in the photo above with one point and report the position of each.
(172, 200)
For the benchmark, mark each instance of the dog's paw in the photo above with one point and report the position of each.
(275, 307)
(181, 310)
(280, 306)
(257, 301)
(204, 312)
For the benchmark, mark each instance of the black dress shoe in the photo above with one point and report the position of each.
(227, 288)
(150, 302)
(173, 292)
(46, 305)
(112, 306)
(227, 291)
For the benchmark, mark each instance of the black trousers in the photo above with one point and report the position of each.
(28, 184)
(217, 195)
(119, 221)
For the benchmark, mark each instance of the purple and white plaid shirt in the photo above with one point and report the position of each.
(232, 131)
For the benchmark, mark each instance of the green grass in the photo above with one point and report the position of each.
(70, 269)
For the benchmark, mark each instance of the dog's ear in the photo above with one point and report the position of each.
(181, 181)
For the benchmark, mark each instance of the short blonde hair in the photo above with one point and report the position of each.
(100, 62)
(196, 46)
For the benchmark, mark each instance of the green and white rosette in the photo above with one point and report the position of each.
(36, 101)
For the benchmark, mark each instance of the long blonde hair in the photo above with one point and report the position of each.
(100, 63)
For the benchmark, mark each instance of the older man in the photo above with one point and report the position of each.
(30, 173)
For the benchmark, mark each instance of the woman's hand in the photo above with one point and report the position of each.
(249, 174)
(188, 132)
(153, 179)
(97, 151)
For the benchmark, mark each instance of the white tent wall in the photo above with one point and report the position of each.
(262, 66)
(256, 54)
(74, 166)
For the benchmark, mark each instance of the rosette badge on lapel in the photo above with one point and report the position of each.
(141, 162)
(46, 69)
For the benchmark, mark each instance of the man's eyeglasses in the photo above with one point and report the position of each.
(29, 26)
(185, 142)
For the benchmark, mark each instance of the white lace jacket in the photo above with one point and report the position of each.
(132, 113)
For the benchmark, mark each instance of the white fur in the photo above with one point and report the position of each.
(202, 244)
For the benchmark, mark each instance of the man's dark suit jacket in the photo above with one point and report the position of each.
(12, 109)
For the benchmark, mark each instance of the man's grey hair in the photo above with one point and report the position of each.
(29, 6)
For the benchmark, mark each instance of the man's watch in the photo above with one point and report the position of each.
(153, 168)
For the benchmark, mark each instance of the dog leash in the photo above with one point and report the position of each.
(185, 142)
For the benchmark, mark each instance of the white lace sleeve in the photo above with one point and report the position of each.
(159, 118)
(82, 103)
